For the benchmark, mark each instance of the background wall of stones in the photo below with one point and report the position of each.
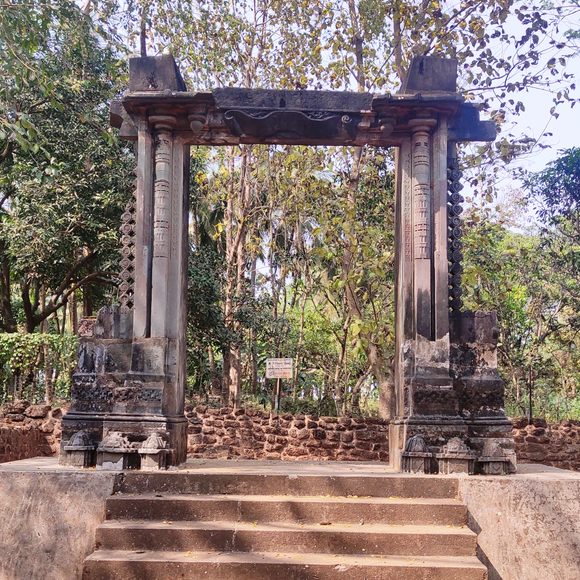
(34, 430)
(28, 431)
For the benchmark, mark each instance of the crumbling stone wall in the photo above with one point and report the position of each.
(557, 444)
(28, 431)
(33, 430)
(253, 434)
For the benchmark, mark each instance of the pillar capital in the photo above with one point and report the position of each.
(422, 124)
(160, 122)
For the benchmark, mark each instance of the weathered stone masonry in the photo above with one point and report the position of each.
(32, 430)
(253, 434)
(28, 431)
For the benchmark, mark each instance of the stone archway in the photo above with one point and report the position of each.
(128, 391)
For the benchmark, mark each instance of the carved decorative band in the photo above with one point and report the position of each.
(455, 209)
(421, 155)
(162, 194)
(127, 262)
(407, 204)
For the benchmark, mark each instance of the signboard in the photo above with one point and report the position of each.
(279, 368)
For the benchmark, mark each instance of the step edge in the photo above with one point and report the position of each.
(421, 529)
(102, 555)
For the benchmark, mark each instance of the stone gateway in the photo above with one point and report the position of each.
(128, 394)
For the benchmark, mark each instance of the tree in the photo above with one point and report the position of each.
(64, 178)
(520, 276)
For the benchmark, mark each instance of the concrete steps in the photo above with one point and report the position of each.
(287, 526)
(275, 508)
(387, 485)
(266, 566)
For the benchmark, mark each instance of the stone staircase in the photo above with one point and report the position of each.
(284, 526)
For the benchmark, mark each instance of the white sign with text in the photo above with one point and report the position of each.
(279, 368)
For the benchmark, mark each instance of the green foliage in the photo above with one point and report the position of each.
(556, 191)
(36, 367)
(64, 177)
(516, 275)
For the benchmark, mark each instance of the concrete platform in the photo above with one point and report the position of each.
(528, 523)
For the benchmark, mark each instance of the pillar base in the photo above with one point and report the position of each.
(134, 428)
(436, 431)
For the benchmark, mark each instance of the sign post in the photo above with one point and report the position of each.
(279, 368)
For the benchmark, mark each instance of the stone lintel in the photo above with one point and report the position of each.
(349, 118)
(307, 100)
(230, 116)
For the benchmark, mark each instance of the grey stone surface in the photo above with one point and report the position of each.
(149, 395)
(431, 73)
(49, 515)
(528, 523)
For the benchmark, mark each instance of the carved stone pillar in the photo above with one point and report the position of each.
(427, 403)
(422, 226)
(152, 401)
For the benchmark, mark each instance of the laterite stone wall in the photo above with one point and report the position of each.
(556, 444)
(28, 431)
(34, 430)
(253, 434)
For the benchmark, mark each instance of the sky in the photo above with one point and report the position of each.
(537, 119)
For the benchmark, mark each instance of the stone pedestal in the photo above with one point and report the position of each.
(478, 384)
(126, 387)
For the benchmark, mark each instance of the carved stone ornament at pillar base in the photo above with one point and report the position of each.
(80, 451)
(154, 453)
(417, 458)
(456, 457)
(117, 452)
(493, 460)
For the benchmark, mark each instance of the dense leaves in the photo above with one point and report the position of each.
(292, 247)
(64, 179)
(36, 367)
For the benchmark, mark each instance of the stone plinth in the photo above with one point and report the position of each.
(526, 523)
(127, 387)
(478, 384)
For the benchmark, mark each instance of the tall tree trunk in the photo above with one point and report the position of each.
(48, 370)
(238, 206)
(7, 319)
(215, 383)
(74, 318)
(252, 335)
(87, 302)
